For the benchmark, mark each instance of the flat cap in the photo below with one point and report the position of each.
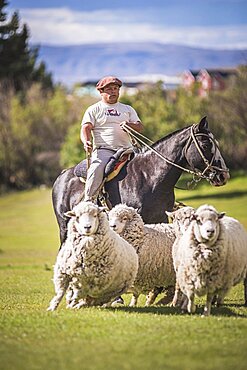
(108, 80)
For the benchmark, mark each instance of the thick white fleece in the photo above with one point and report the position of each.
(209, 267)
(99, 267)
(153, 244)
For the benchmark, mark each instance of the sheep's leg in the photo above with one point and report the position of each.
(179, 299)
(183, 300)
(69, 295)
(191, 307)
(215, 299)
(61, 283)
(208, 305)
(150, 298)
(184, 304)
(76, 290)
(245, 291)
(221, 297)
(176, 295)
(134, 300)
(84, 302)
(170, 292)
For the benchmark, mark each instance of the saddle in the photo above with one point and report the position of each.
(113, 167)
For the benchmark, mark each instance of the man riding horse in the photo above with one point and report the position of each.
(104, 122)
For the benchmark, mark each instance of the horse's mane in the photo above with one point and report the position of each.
(144, 149)
(170, 135)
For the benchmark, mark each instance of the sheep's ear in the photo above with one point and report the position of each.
(69, 214)
(103, 209)
(221, 214)
(193, 217)
(170, 214)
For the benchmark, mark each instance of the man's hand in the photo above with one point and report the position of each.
(88, 146)
(123, 124)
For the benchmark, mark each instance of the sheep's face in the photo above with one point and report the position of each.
(86, 218)
(118, 223)
(207, 226)
(181, 219)
(120, 216)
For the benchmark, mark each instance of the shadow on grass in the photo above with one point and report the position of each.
(226, 311)
(233, 194)
(166, 310)
(156, 310)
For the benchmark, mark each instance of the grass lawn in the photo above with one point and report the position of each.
(106, 339)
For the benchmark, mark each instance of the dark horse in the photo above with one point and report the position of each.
(149, 182)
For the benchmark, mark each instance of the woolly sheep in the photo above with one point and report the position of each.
(210, 257)
(181, 219)
(97, 263)
(153, 244)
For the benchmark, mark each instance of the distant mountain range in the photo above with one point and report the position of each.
(71, 64)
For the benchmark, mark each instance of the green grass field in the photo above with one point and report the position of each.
(98, 338)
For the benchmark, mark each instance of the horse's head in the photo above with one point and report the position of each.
(203, 155)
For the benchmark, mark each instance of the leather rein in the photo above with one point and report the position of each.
(197, 175)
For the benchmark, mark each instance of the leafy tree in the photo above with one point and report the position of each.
(163, 113)
(153, 110)
(18, 62)
(72, 151)
(31, 135)
(228, 116)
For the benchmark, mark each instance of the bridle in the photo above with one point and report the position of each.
(210, 170)
(208, 173)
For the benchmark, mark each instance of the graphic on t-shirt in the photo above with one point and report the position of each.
(112, 112)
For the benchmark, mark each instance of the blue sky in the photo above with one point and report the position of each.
(204, 23)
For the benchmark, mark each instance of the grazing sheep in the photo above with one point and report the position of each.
(153, 244)
(94, 260)
(210, 256)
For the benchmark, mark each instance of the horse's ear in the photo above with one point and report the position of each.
(203, 124)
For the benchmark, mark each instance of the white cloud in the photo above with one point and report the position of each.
(61, 26)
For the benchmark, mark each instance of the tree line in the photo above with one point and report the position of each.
(40, 120)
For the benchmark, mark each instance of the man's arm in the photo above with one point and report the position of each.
(86, 130)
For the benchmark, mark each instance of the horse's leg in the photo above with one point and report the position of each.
(112, 189)
(67, 191)
(62, 230)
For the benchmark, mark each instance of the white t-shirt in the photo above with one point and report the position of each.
(106, 119)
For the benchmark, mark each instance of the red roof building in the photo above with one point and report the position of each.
(208, 80)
